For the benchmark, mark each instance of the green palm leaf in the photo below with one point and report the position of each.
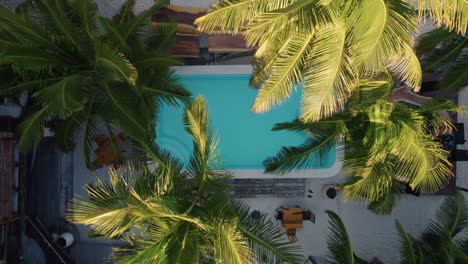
(22, 28)
(87, 14)
(339, 244)
(329, 77)
(29, 58)
(450, 14)
(54, 10)
(411, 252)
(312, 151)
(457, 74)
(31, 129)
(113, 65)
(134, 24)
(122, 100)
(287, 74)
(230, 246)
(63, 96)
(228, 16)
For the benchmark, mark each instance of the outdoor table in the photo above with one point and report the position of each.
(292, 218)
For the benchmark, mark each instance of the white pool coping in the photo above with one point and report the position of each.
(259, 173)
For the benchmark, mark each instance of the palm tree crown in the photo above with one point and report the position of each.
(181, 216)
(327, 46)
(386, 144)
(82, 69)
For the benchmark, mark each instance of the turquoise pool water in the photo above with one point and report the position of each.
(245, 138)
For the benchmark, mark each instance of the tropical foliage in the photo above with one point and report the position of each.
(446, 51)
(171, 215)
(328, 47)
(340, 250)
(386, 144)
(83, 70)
(443, 240)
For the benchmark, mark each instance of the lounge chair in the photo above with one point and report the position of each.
(105, 154)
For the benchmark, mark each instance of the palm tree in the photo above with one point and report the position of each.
(443, 240)
(446, 50)
(386, 144)
(83, 70)
(173, 215)
(327, 46)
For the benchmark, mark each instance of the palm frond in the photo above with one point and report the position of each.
(451, 218)
(122, 100)
(112, 65)
(399, 22)
(411, 252)
(407, 68)
(228, 16)
(114, 34)
(107, 211)
(387, 202)
(456, 77)
(422, 161)
(375, 182)
(65, 131)
(86, 11)
(89, 131)
(311, 152)
(23, 29)
(205, 142)
(29, 58)
(135, 23)
(329, 76)
(32, 128)
(365, 26)
(168, 89)
(230, 246)
(63, 96)
(163, 36)
(429, 41)
(298, 16)
(287, 74)
(450, 14)
(54, 10)
(339, 244)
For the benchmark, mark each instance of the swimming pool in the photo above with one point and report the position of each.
(245, 138)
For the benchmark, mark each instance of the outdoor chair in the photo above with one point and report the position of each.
(291, 232)
(279, 216)
(308, 215)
